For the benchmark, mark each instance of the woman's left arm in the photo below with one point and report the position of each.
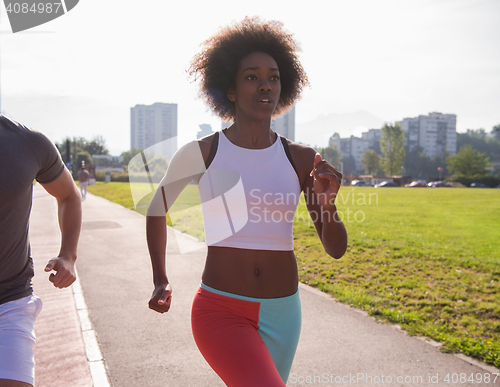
(320, 189)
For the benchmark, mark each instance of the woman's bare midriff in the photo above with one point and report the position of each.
(251, 273)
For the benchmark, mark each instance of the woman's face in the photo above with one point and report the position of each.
(257, 88)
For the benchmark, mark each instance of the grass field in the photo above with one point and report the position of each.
(426, 259)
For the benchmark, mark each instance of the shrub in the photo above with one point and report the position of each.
(490, 181)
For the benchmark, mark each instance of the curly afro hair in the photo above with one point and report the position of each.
(217, 64)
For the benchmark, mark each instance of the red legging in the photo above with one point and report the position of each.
(247, 341)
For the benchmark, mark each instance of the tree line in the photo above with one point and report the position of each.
(476, 150)
(388, 157)
(78, 150)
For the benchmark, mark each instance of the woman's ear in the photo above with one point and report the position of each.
(231, 95)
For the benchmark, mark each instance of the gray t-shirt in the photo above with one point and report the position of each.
(25, 155)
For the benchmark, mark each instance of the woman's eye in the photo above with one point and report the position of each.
(275, 78)
(251, 77)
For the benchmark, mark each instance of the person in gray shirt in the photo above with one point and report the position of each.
(26, 156)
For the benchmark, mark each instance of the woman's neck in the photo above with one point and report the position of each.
(252, 135)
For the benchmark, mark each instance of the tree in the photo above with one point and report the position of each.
(79, 144)
(332, 155)
(417, 163)
(81, 150)
(468, 163)
(156, 167)
(392, 145)
(371, 162)
(376, 147)
(436, 162)
(129, 155)
(97, 146)
(81, 156)
(349, 165)
(480, 141)
(496, 132)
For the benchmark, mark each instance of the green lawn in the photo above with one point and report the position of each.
(427, 259)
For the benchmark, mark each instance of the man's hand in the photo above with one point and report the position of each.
(69, 209)
(161, 298)
(64, 272)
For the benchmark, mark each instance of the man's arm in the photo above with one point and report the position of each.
(70, 221)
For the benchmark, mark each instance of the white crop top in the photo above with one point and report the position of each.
(249, 197)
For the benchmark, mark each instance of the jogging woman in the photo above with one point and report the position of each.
(246, 315)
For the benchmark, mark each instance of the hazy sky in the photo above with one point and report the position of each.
(80, 74)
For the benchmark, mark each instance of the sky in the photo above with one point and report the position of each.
(80, 74)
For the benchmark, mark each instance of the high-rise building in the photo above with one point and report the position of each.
(436, 133)
(153, 124)
(373, 138)
(284, 125)
(352, 146)
(205, 130)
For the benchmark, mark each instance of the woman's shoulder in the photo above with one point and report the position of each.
(205, 144)
(301, 153)
(303, 158)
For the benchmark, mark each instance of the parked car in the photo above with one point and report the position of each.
(361, 183)
(416, 184)
(437, 184)
(456, 184)
(479, 185)
(386, 184)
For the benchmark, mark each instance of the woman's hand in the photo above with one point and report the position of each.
(327, 182)
(161, 298)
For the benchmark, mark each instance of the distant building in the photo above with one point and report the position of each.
(205, 130)
(355, 146)
(436, 133)
(108, 162)
(373, 137)
(284, 125)
(153, 124)
(352, 146)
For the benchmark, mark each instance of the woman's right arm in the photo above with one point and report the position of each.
(156, 236)
(186, 164)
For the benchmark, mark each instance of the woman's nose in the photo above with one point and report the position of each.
(265, 86)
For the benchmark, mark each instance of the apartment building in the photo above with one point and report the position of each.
(153, 124)
(436, 133)
(285, 125)
(351, 146)
(205, 130)
(356, 146)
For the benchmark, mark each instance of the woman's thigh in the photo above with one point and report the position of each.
(227, 336)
